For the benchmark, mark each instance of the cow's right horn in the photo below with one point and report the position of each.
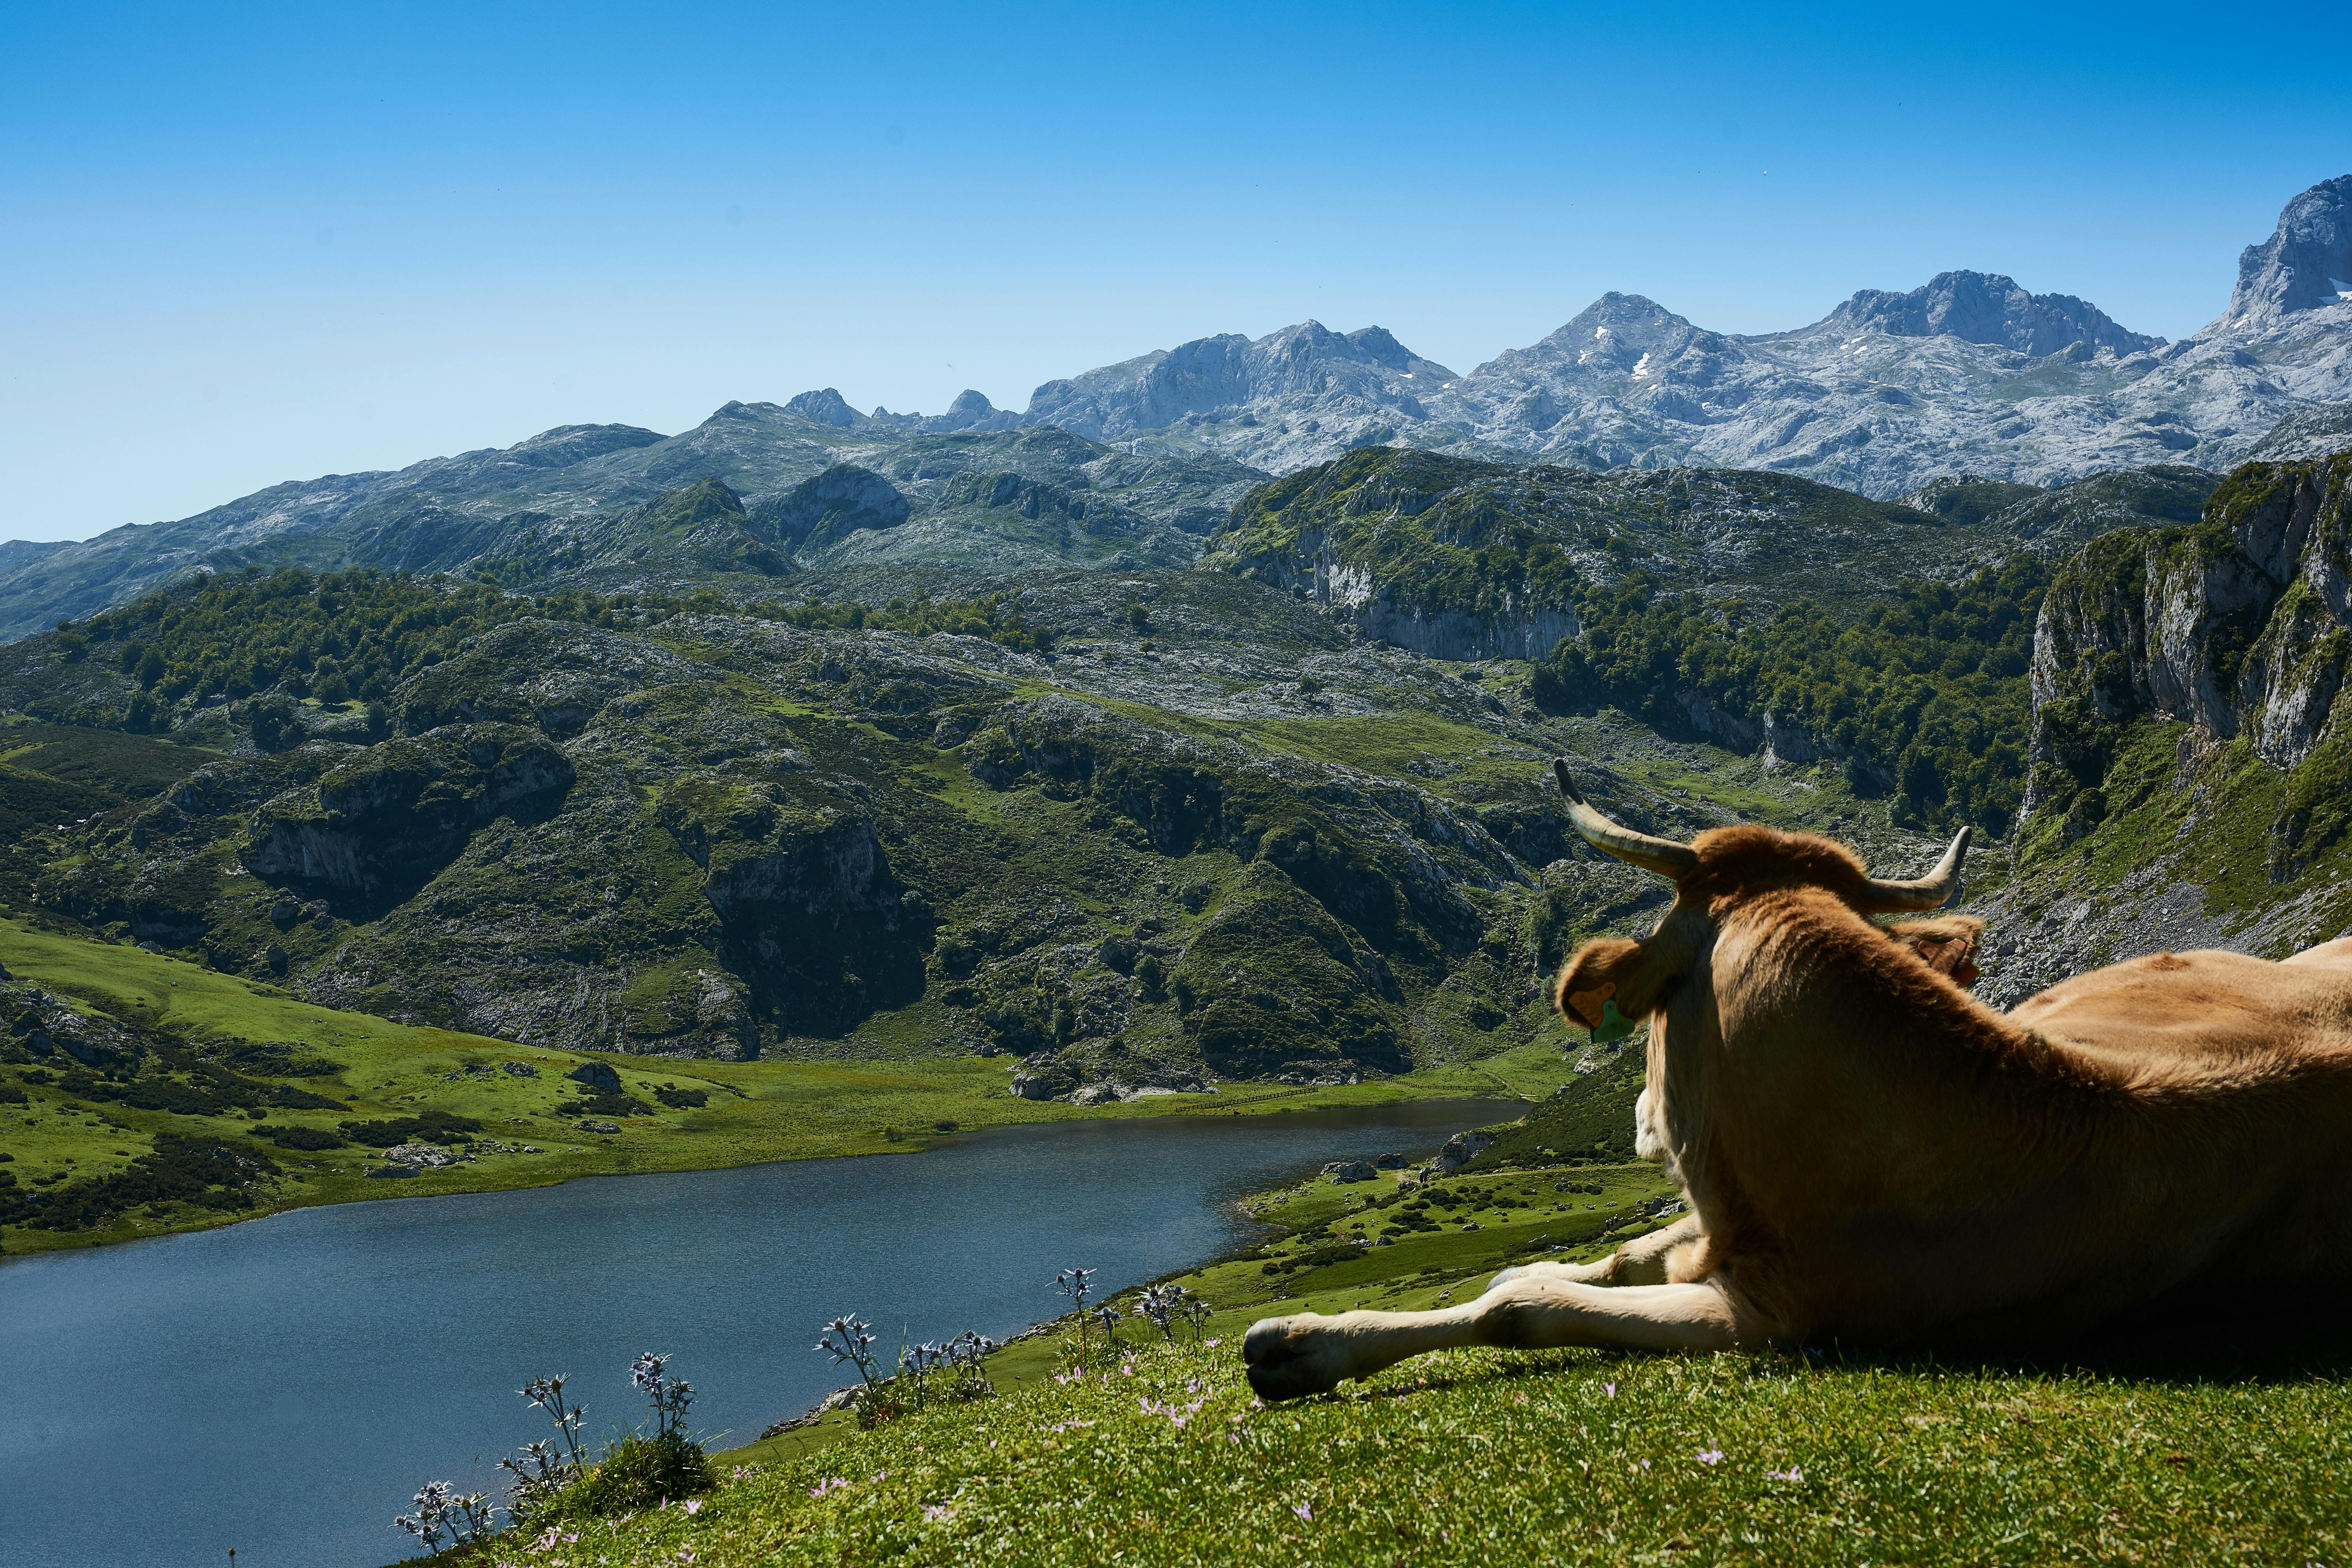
(1931, 891)
(1667, 858)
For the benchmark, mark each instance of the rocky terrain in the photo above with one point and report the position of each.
(1284, 814)
(2191, 751)
(1170, 827)
(575, 497)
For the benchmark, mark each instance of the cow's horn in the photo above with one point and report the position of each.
(1664, 855)
(1931, 891)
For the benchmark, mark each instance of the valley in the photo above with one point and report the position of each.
(1522, 785)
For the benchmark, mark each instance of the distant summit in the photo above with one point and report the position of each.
(970, 411)
(1987, 308)
(826, 408)
(2305, 265)
(1290, 397)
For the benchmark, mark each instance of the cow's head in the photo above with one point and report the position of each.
(1611, 978)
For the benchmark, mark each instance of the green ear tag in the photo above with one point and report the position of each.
(1614, 1025)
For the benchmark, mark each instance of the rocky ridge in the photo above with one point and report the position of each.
(1969, 374)
(2192, 746)
(573, 501)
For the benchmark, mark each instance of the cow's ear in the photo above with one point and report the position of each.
(1631, 974)
(1947, 944)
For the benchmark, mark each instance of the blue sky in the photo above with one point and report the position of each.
(244, 244)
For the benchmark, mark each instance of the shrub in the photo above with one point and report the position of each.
(275, 723)
(311, 1138)
(428, 1127)
(639, 1471)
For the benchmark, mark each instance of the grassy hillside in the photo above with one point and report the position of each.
(1139, 831)
(1480, 1457)
(1159, 1454)
(182, 1058)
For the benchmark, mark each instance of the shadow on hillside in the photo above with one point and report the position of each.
(2284, 1338)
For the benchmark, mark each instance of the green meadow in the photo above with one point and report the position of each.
(1158, 1453)
(689, 1114)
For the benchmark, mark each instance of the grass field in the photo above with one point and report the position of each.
(1491, 1459)
(1163, 1456)
(750, 1111)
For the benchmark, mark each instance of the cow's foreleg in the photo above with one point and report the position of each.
(1307, 1353)
(1644, 1260)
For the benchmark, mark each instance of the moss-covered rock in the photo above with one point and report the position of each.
(376, 827)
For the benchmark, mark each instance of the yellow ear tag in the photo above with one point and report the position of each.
(1614, 1025)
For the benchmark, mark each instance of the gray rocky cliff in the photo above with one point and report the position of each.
(2239, 625)
(1315, 570)
(2306, 265)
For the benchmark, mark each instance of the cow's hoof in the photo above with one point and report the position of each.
(1290, 1358)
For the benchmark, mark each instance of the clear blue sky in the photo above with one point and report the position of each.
(244, 244)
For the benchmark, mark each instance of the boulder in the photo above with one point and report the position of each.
(1461, 1149)
(89, 1053)
(606, 1128)
(1043, 1076)
(1344, 1171)
(420, 1156)
(1392, 1162)
(597, 1076)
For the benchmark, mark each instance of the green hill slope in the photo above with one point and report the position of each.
(142, 1094)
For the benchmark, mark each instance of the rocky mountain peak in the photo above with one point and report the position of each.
(969, 408)
(1610, 335)
(827, 406)
(1380, 345)
(691, 506)
(568, 443)
(1305, 371)
(1987, 308)
(2306, 262)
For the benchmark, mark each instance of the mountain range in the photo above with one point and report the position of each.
(1134, 465)
(1971, 373)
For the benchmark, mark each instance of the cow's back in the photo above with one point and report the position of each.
(2180, 1020)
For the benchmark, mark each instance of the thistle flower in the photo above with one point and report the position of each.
(1075, 1283)
(1160, 1305)
(849, 1339)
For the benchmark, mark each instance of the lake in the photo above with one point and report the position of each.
(282, 1386)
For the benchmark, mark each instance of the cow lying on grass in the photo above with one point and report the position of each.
(1871, 1154)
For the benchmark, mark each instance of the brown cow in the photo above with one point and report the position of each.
(1870, 1153)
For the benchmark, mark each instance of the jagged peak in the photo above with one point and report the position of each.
(1989, 308)
(2306, 263)
(827, 407)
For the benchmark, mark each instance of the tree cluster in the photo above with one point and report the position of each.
(1924, 697)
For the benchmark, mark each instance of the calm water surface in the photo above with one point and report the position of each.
(282, 1386)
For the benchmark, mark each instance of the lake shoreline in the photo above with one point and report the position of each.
(78, 1125)
(416, 1321)
(630, 1157)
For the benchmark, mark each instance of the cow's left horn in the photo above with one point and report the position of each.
(1664, 855)
(1931, 891)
